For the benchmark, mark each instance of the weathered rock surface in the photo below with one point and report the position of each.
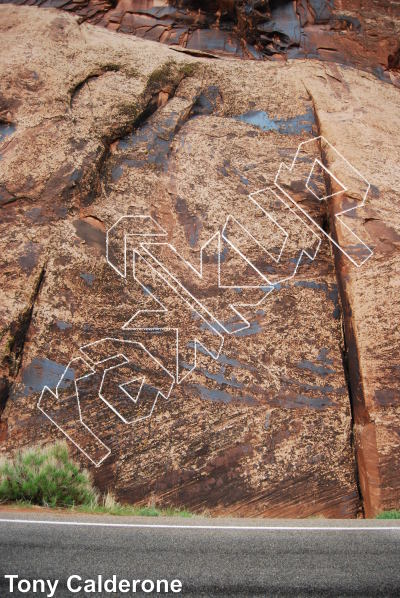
(96, 126)
(371, 295)
(364, 34)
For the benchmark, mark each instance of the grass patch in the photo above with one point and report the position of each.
(130, 110)
(47, 477)
(389, 515)
(109, 506)
(169, 74)
(189, 69)
(163, 74)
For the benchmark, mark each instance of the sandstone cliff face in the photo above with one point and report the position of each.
(95, 126)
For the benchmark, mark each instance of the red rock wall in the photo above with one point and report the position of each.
(364, 34)
(95, 126)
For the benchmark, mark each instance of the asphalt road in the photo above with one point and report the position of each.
(225, 558)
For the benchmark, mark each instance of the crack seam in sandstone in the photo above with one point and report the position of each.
(16, 343)
(344, 349)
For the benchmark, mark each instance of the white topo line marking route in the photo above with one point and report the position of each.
(148, 235)
(292, 528)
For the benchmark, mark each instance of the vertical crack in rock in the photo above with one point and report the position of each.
(349, 349)
(351, 367)
(18, 331)
(4, 392)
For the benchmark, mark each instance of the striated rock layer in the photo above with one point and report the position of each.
(365, 34)
(95, 126)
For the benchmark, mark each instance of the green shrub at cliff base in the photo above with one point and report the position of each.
(389, 515)
(46, 477)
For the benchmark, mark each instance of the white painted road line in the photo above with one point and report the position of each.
(291, 528)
